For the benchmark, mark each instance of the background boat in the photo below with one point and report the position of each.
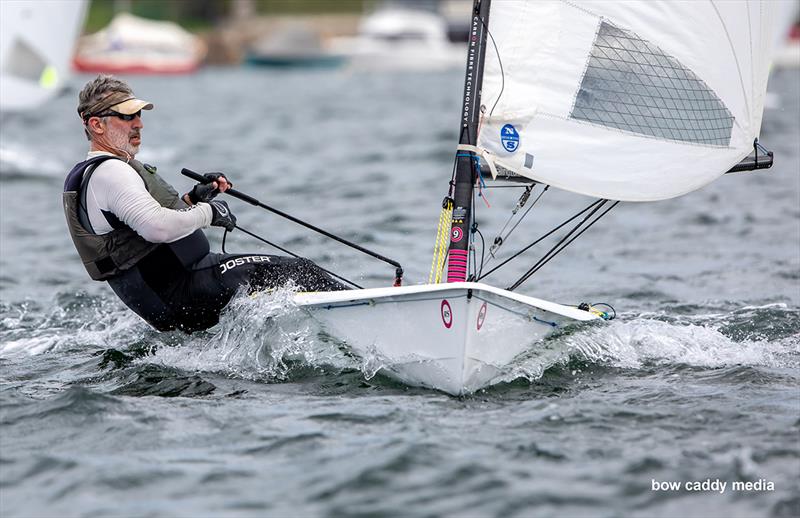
(134, 45)
(395, 38)
(293, 46)
(788, 52)
(36, 44)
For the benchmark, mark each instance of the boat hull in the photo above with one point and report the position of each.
(295, 61)
(457, 337)
(116, 64)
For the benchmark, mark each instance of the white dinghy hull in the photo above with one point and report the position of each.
(457, 337)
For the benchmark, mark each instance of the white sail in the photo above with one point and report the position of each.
(37, 39)
(626, 100)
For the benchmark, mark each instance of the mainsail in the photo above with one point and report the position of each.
(633, 101)
(618, 100)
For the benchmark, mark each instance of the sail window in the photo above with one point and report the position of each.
(24, 62)
(632, 85)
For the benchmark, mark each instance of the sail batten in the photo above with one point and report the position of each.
(633, 101)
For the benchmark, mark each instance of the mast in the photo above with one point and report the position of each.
(466, 162)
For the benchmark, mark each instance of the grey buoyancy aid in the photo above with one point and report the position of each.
(107, 255)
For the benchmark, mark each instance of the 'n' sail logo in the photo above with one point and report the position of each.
(510, 138)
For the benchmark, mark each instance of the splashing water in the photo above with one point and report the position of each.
(16, 160)
(641, 342)
(752, 336)
(264, 337)
(260, 337)
(76, 322)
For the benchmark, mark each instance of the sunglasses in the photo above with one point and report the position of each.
(122, 116)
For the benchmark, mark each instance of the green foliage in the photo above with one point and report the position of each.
(100, 13)
(191, 14)
(311, 6)
(201, 14)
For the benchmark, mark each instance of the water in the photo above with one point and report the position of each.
(697, 379)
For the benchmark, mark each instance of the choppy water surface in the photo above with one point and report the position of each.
(697, 379)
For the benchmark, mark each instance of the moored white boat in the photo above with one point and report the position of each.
(456, 337)
(401, 39)
(293, 46)
(134, 45)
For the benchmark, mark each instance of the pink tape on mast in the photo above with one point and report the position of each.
(457, 266)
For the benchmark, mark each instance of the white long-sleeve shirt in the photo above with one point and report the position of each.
(115, 187)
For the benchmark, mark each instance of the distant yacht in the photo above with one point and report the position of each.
(134, 45)
(293, 46)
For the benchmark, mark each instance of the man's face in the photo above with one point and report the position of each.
(123, 135)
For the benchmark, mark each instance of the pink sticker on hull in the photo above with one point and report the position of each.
(482, 316)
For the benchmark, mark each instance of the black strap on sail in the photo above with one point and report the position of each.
(466, 162)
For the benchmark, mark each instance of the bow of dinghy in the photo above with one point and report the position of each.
(456, 337)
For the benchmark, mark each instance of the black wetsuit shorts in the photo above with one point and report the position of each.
(191, 300)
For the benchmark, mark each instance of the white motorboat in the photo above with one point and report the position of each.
(401, 39)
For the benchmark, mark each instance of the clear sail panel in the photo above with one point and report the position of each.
(632, 85)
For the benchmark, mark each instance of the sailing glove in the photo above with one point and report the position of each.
(205, 191)
(221, 215)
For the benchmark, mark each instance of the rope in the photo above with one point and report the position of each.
(565, 241)
(499, 62)
(480, 152)
(555, 249)
(483, 253)
(501, 239)
(285, 251)
(472, 262)
(528, 247)
(442, 241)
(481, 182)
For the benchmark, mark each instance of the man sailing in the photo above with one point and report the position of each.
(132, 229)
